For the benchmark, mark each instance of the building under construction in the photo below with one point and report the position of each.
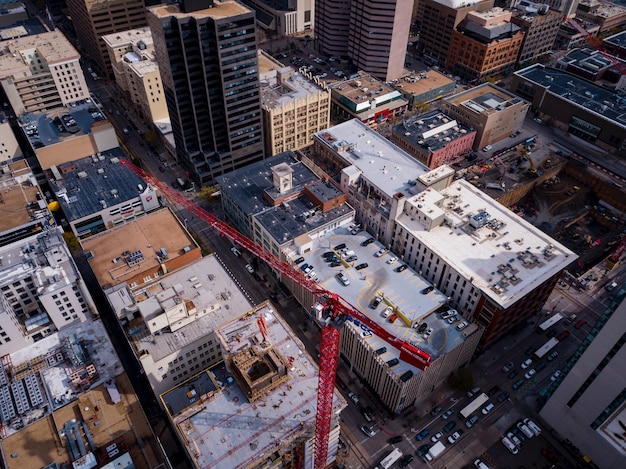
(257, 409)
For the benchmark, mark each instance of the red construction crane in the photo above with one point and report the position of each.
(595, 42)
(332, 311)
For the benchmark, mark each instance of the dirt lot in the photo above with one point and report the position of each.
(573, 215)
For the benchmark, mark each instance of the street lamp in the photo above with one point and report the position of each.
(185, 222)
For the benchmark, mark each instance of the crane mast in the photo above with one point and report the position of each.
(331, 311)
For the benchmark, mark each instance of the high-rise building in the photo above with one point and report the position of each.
(586, 402)
(332, 26)
(373, 34)
(207, 54)
(136, 71)
(41, 72)
(484, 44)
(438, 20)
(96, 18)
(540, 26)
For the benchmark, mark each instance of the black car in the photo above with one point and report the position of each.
(406, 460)
(401, 268)
(427, 290)
(512, 374)
(436, 410)
(336, 263)
(362, 266)
(530, 350)
(422, 450)
(422, 328)
(471, 157)
(449, 426)
(299, 260)
(493, 390)
(540, 366)
(341, 246)
(328, 254)
(367, 242)
(375, 302)
(518, 384)
(394, 439)
(552, 333)
(503, 396)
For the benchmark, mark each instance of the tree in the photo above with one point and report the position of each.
(71, 241)
(205, 194)
(462, 380)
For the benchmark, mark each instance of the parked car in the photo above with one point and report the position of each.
(381, 252)
(530, 373)
(406, 460)
(428, 333)
(563, 335)
(493, 391)
(367, 242)
(342, 279)
(362, 266)
(527, 363)
(299, 260)
(487, 147)
(339, 247)
(447, 414)
(427, 290)
(249, 268)
(304, 266)
(376, 301)
(530, 350)
(540, 366)
(423, 434)
(508, 367)
(422, 450)
(472, 421)
(518, 384)
(580, 324)
(555, 375)
(235, 251)
(611, 286)
(461, 325)
(435, 438)
(449, 426)
(436, 410)
(455, 436)
(353, 397)
(392, 259)
(512, 374)
(553, 355)
(503, 396)
(422, 327)
(394, 439)
(401, 268)
(488, 408)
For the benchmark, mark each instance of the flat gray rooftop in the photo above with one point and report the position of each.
(89, 181)
(418, 130)
(592, 98)
(206, 284)
(47, 129)
(618, 39)
(381, 163)
(249, 188)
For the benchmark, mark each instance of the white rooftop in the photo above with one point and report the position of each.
(228, 430)
(204, 285)
(382, 163)
(504, 255)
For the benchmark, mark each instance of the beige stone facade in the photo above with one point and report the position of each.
(136, 71)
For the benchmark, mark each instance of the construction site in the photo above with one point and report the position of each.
(558, 192)
(259, 406)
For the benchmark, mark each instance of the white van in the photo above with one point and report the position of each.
(509, 445)
(480, 465)
(533, 426)
(525, 430)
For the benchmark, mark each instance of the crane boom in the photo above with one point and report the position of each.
(596, 44)
(331, 310)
